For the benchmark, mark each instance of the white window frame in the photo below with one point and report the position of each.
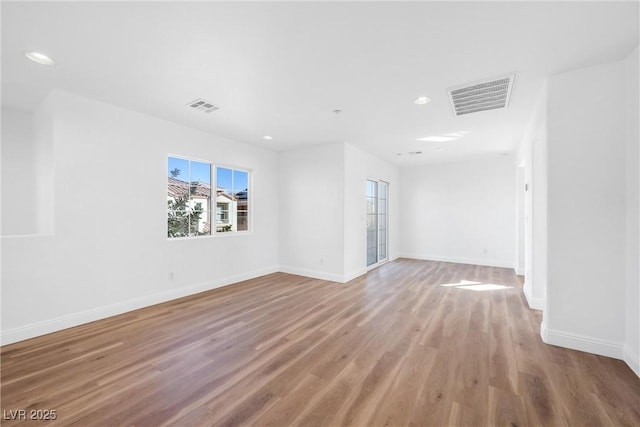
(210, 210)
(214, 191)
(249, 229)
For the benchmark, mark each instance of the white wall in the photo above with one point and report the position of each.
(98, 249)
(358, 167)
(108, 252)
(632, 92)
(532, 156)
(18, 174)
(459, 212)
(311, 211)
(322, 221)
(44, 161)
(585, 307)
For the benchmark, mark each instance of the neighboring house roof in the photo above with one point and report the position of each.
(177, 188)
(199, 190)
(225, 194)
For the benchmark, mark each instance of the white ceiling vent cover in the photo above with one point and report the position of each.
(481, 96)
(202, 105)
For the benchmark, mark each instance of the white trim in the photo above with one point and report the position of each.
(534, 303)
(214, 179)
(581, 342)
(460, 260)
(632, 359)
(315, 274)
(519, 271)
(378, 264)
(354, 274)
(75, 319)
(211, 236)
(24, 236)
(189, 158)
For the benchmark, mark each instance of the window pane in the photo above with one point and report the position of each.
(240, 181)
(372, 256)
(178, 168)
(222, 213)
(223, 218)
(177, 183)
(372, 189)
(200, 172)
(177, 224)
(377, 192)
(189, 198)
(241, 193)
(224, 180)
(383, 252)
(372, 224)
(200, 184)
(243, 220)
(382, 194)
(382, 207)
(200, 223)
(232, 200)
(225, 201)
(371, 206)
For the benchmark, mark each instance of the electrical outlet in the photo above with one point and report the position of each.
(171, 275)
(321, 261)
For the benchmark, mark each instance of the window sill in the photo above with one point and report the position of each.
(212, 236)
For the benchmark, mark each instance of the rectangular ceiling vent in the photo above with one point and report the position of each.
(202, 105)
(481, 96)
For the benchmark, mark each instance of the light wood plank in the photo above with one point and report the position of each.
(390, 348)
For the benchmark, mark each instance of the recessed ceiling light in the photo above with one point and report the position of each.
(267, 137)
(436, 139)
(413, 153)
(439, 149)
(40, 58)
(421, 100)
(398, 154)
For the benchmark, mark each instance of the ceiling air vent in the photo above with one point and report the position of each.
(202, 105)
(481, 96)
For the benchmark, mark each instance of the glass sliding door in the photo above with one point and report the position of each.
(377, 234)
(382, 221)
(372, 222)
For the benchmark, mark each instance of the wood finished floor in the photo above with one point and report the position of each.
(391, 348)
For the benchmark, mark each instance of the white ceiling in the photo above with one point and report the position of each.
(280, 69)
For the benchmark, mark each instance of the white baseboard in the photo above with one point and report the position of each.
(75, 319)
(322, 275)
(632, 359)
(461, 260)
(357, 273)
(534, 303)
(581, 342)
